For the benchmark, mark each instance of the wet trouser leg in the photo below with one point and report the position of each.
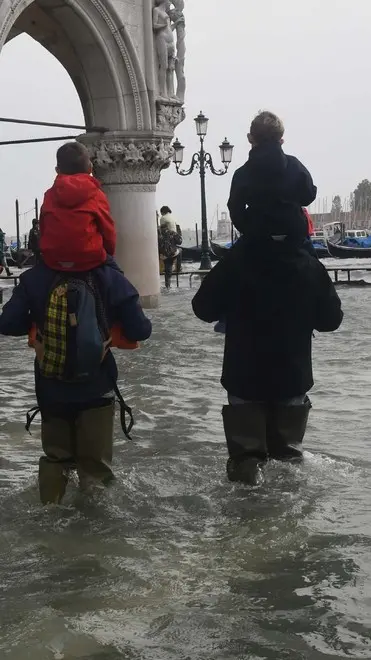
(168, 265)
(179, 261)
(4, 263)
(83, 441)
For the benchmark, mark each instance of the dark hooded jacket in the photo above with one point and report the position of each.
(268, 193)
(272, 299)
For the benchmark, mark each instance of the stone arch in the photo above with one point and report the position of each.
(89, 40)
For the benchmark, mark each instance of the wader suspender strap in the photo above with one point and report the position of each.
(30, 417)
(102, 319)
(124, 409)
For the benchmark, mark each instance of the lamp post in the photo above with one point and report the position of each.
(203, 160)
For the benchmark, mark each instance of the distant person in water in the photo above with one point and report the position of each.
(169, 241)
(269, 191)
(3, 261)
(77, 232)
(34, 239)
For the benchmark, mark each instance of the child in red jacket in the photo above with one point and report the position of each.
(77, 231)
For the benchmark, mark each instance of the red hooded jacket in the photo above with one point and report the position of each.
(76, 228)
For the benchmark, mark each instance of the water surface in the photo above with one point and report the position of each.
(173, 562)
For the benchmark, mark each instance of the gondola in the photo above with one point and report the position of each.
(341, 245)
(191, 253)
(219, 250)
(194, 254)
(345, 252)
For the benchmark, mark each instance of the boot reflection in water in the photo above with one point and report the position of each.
(256, 432)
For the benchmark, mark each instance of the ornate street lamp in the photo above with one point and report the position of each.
(203, 160)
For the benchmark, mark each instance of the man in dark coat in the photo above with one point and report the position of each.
(273, 295)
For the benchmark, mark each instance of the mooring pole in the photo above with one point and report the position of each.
(17, 224)
(36, 208)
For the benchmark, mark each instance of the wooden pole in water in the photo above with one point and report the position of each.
(17, 224)
(197, 234)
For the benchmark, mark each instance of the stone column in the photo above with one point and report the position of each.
(129, 168)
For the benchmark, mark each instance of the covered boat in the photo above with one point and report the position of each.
(194, 254)
(347, 244)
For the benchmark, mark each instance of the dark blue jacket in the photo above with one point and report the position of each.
(268, 193)
(27, 306)
(272, 301)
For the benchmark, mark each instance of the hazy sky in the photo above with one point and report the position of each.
(309, 61)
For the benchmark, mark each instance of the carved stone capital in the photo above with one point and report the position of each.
(168, 115)
(119, 158)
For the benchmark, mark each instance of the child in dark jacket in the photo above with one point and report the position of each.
(76, 229)
(77, 417)
(269, 192)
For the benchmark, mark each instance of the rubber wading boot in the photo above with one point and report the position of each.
(286, 426)
(53, 477)
(94, 446)
(245, 432)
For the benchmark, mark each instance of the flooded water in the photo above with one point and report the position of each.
(173, 562)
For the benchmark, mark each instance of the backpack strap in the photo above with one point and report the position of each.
(30, 416)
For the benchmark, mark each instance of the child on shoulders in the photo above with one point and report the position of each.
(77, 232)
(269, 191)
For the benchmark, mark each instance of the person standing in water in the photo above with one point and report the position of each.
(34, 239)
(272, 294)
(169, 240)
(3, 260)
